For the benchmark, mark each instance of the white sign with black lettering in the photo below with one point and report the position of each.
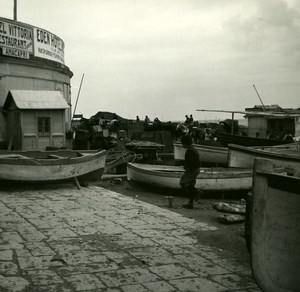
(47, 45)
(16, 40)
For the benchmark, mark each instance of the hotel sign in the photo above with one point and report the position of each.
(47, 45)
(16, 40)
(21, 40)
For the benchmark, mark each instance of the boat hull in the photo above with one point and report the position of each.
(42, 169)
(208, 154)
(209, 179)
(226, 138)
(283, 156)
(275, 229)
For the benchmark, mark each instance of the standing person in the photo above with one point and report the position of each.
(191, 170)
(187, 120)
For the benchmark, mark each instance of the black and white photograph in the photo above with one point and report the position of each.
(149, 145)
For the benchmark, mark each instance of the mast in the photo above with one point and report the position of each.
(263, 106)
(76, 102)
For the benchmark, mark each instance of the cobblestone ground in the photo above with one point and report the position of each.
(93, 239)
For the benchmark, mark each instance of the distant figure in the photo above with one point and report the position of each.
(137, 118)
(147, 120)
(288, 137)
(187, 120)
(191, 120)
(191, 171)
(197, 134)
(180, 130)
(156, 120)
(207, 135)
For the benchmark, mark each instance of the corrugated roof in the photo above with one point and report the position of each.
(38, 99)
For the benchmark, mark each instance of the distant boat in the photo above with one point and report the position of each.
(38, 166)
(208, 154)
(209, 179)
(226, 138)
(275, 229)
(282, 155)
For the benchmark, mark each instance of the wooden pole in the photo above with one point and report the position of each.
(263, 106)
(15, 9)
(222, 111)
(76, 182)
(76, 102)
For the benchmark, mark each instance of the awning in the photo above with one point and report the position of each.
(36, 99)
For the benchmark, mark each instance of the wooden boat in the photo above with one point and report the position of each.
(116, 159)
(209, 179)
(275, 229)
(282, 156)
(36, 166)
(226, 138)
(208, 154)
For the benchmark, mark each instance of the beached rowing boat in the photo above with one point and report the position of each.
(225, 139)
(275, 229)
(50, 165)
(282, 155)
(209, 179)
(208, 154)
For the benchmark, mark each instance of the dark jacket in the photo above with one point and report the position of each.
(192, 159)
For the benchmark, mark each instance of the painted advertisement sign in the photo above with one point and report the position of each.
(16, 40)
(49, 46)
(21, 40)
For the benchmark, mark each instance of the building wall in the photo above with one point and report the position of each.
(31, 140)
(14, 130)
(3, 135)
(33, 74)
(297, 127)
(257, 125)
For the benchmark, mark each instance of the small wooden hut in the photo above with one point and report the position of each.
(35, 119)
(273, 120)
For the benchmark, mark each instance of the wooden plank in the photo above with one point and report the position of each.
(55, 156)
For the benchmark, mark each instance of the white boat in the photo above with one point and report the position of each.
(209, 179)
(282, 156)
(208, 154)
(275, 229)
(38, 166)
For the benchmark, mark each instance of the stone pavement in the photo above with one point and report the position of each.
(64, 239)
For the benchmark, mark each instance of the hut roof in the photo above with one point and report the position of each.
(36, 99)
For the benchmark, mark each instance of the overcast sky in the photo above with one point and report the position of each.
(168, 58)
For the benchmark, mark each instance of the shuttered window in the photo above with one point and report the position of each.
(43, 125)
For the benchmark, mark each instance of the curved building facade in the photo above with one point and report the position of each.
(32, 59)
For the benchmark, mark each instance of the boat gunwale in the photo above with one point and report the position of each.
(232, 173)
(265, 153)
(48, 161)
(222, 150)
(267, 142)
